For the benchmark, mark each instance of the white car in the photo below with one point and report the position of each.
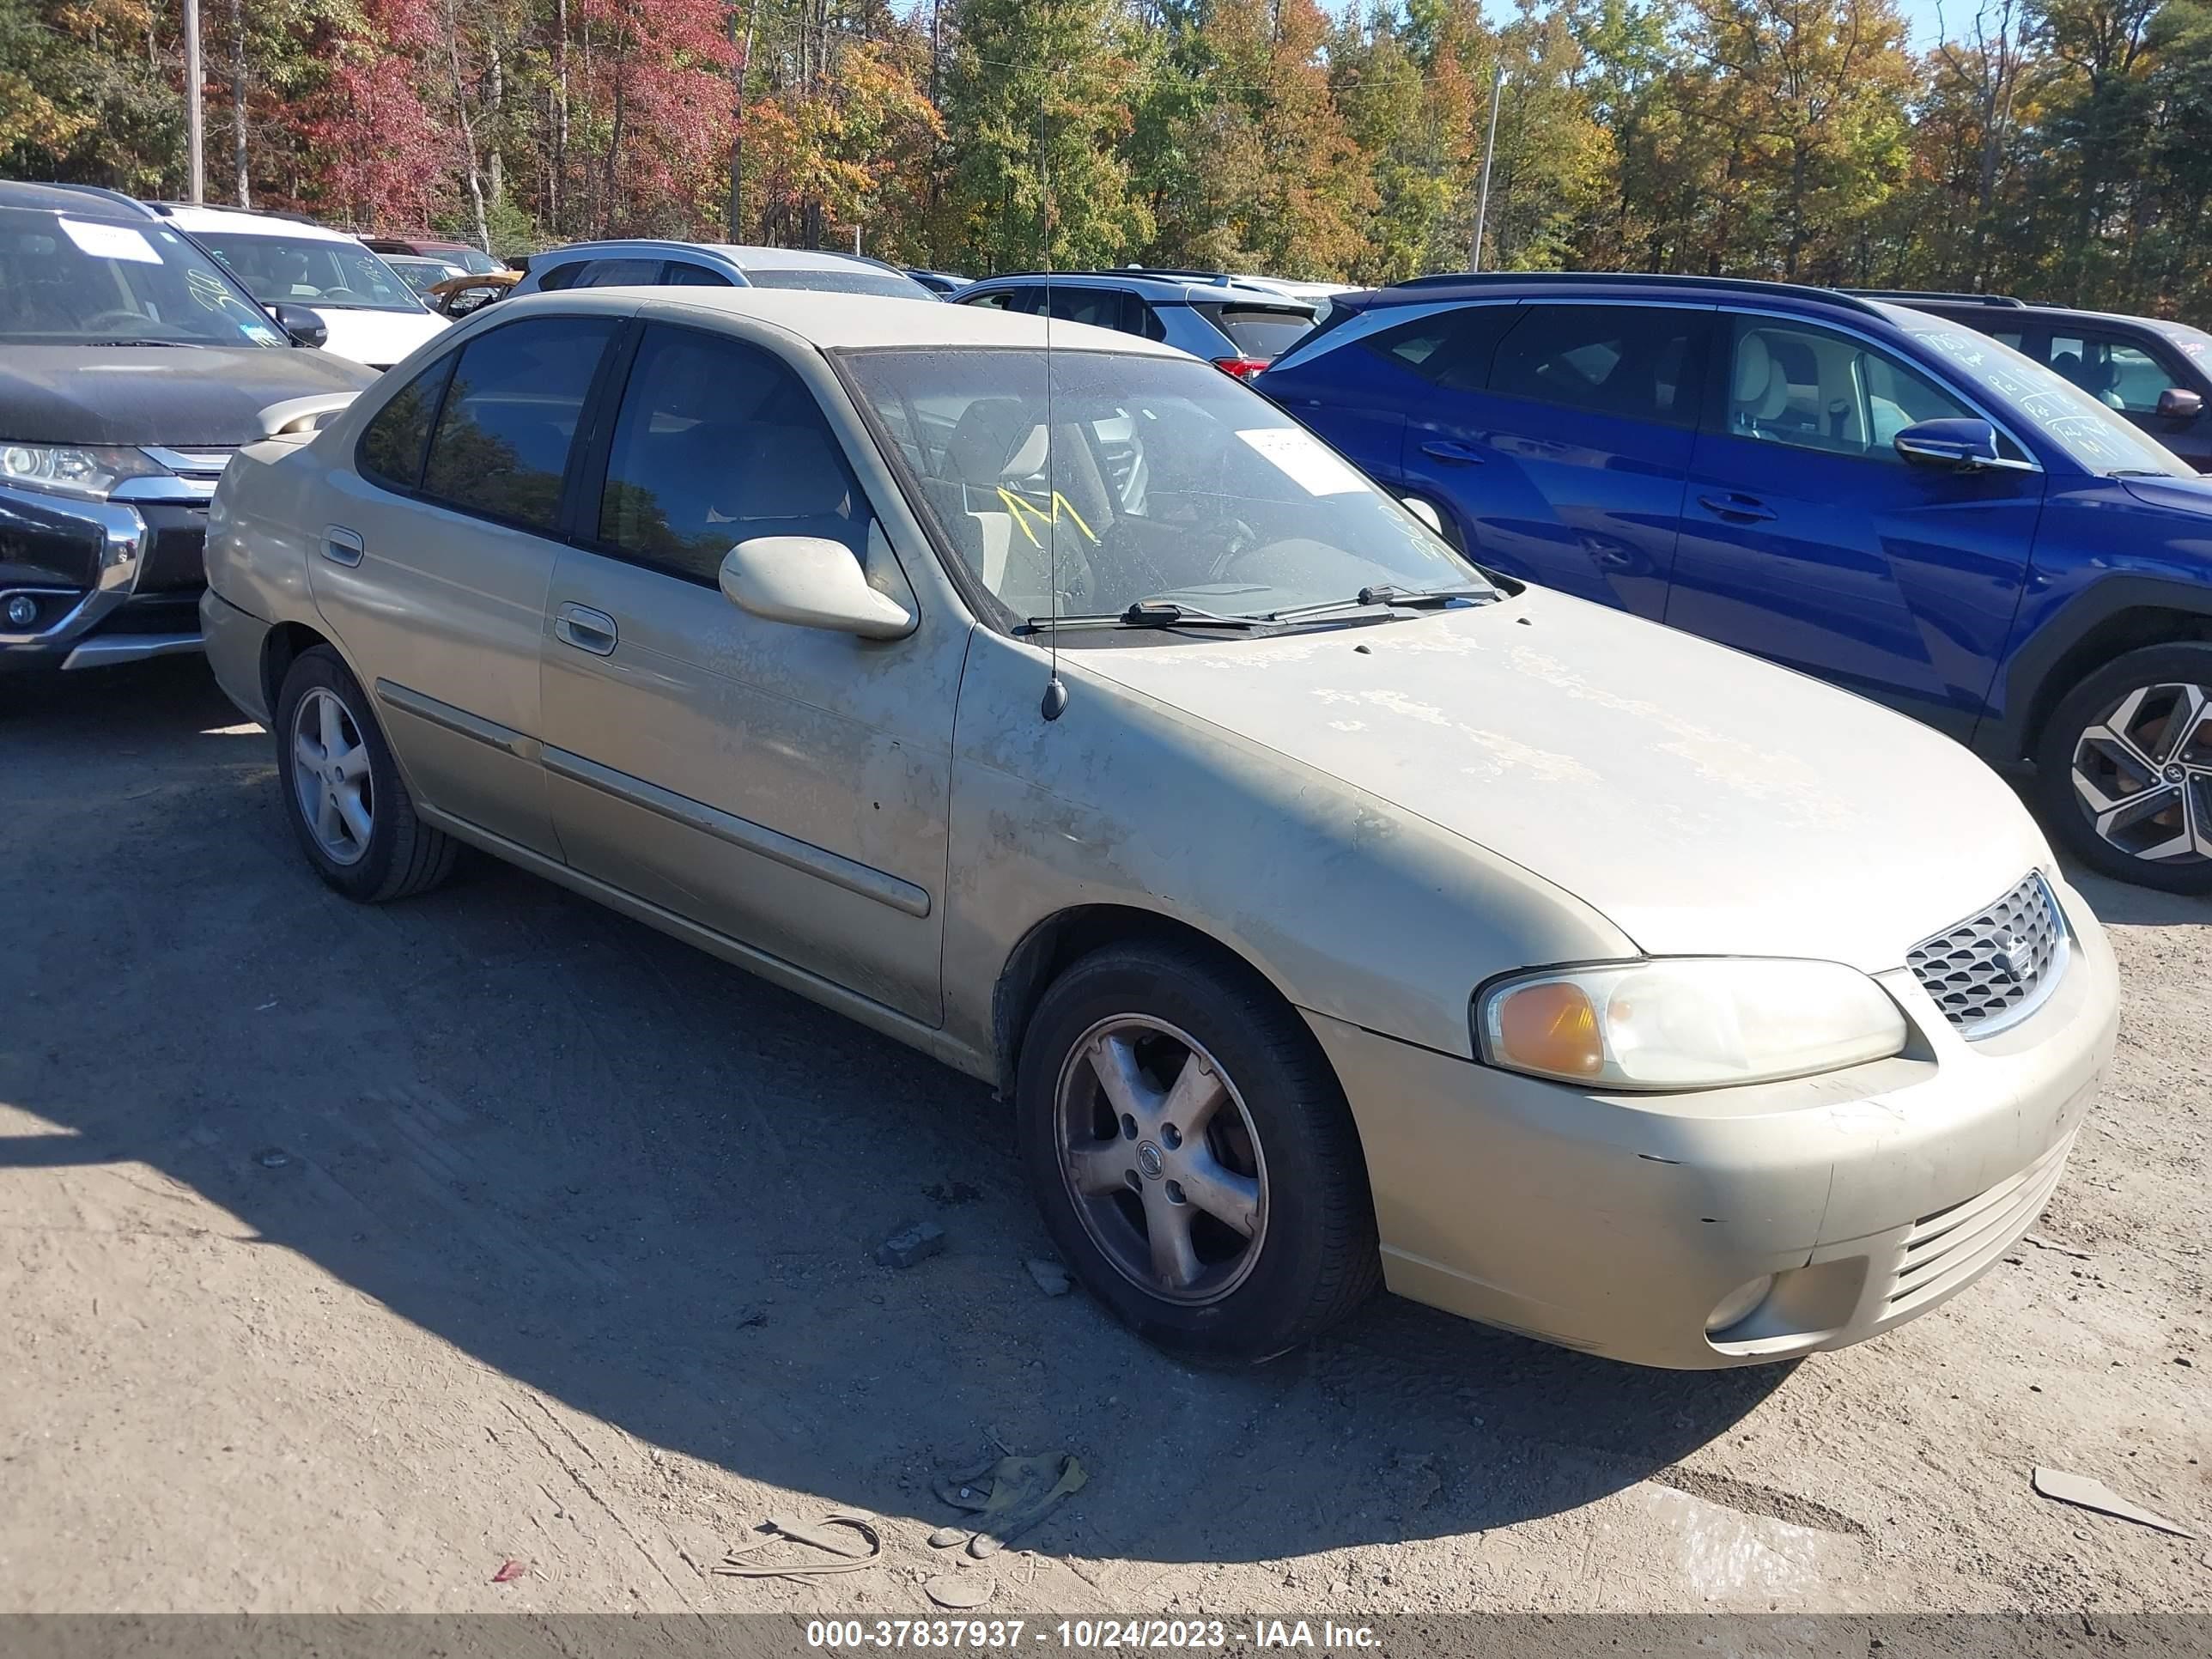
(372, 315)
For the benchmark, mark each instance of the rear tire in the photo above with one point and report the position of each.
(2124, 768)
(1193, 1155)
(341, 790)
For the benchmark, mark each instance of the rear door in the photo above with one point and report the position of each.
(1808, 539)
(1566, 462)
(434, 570)
(784, 787)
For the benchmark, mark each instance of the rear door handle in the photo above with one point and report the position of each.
(1735, 507)
(343, 546)
(1452, 451)
(585, 628)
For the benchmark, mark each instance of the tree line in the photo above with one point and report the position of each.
(2061, 150)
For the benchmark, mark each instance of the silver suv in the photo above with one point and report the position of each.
(1237, 325)
(644, 262)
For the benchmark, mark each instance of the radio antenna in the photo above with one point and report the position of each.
(1055, 689)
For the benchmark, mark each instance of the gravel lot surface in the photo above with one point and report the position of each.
(353, 1255)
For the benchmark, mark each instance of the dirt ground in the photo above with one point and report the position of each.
(352, 1255)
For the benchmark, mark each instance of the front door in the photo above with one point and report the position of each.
(1808, 539)
(1566, 467)
(785, 786)
(434, 571)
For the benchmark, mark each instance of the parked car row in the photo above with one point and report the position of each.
(1334, 911)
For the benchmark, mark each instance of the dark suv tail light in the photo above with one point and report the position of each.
(1243, 368)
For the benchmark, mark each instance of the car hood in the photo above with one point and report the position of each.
(379, 338)
(1705, 802)
(178, 396)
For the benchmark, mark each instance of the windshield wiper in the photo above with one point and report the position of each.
(1420, 598)
(195, 344)
(1145, 613)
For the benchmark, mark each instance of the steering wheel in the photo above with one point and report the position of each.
(338, 296)
(1236, 539)
(119, 319)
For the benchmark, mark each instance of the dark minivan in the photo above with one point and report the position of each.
(132, 366)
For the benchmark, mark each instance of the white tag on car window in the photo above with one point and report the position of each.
(111, 242)
(1301, 457)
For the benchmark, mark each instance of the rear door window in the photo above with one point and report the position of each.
(620, 273)
(1631, 362)
(1101, 308)
(510, 418)
(682, 273)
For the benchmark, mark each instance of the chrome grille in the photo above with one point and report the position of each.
(1951, 1247)
(1992, 970)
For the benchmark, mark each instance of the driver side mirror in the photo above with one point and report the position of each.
(813, 582)
(301, 324)
(1953, 446)
(2178, 402)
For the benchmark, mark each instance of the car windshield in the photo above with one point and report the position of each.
(2093, 436)
(419, 274)
(65, 281)
(832, 279)
(1262, 331)
(310, 271)
(1130, 479)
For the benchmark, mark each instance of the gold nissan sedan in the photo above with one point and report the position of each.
(1333, 914)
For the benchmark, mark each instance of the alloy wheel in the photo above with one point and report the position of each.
(2143, 774)
(1162, 1159)
(330, 776)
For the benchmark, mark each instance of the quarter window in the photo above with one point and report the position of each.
(1814, 390)
(1632, 362)
(718, 443)
(392, 444)
(510, 415)
(682, 274)
(1453, 348)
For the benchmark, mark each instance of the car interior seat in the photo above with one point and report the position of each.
(1759, 392)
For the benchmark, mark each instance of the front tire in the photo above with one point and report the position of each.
(342, 792)
(2124, 768)
(1192, 1154)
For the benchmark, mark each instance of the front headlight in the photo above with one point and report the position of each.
(87, 470)
(1693, 1022)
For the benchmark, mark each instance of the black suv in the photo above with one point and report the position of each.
(2157, 374)
(132, 364)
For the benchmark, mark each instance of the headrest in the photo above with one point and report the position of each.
(997, 439)
(1755, 367)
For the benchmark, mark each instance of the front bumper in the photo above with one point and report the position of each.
(1615, 1224)
(108, 582)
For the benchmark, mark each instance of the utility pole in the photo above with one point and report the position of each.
(195, 156)
(1489, 150)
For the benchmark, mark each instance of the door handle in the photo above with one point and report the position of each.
(1735, 507)
(1450, 450)
(343, 546)
(585, 628)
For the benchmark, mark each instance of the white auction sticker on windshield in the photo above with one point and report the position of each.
(111, 242)
(1301, 457)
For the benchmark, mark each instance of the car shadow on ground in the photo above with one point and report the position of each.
(644, 1184)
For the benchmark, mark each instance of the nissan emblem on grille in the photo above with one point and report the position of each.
(1994, 967)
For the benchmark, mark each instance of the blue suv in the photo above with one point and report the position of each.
(1883, 498)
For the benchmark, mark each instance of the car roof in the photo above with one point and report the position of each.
(745, 256)
(219, 220)
(848, 321)
(1154, 285)
(1529, 284)
(81, 200)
